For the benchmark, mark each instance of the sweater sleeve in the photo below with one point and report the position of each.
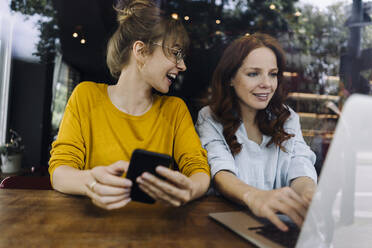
(188, 152)
(210, 132)
(68, 148)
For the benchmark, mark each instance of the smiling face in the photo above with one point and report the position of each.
(161, 70)
(256, 80)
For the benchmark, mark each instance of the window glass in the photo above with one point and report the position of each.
(65, 79)
(6, 33)
(328, 54)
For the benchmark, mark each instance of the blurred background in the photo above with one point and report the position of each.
(47, 47)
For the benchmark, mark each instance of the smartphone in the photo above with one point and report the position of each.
(145, 161)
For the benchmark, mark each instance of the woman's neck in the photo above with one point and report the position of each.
(251, 127)
(248, 115)
(131, 94)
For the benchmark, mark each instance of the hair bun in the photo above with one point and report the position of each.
(127, 8)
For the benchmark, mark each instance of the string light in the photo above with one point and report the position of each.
(272, 6)
(187, 18)
(290, 74)
(218, 21)
(175, 16)
(78, 32)
(83, 41)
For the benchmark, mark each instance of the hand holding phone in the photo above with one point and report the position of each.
(144, 161)
(106, 188)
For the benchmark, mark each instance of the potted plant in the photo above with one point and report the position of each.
(11, 154)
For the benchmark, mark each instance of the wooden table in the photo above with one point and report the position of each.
(46, 218)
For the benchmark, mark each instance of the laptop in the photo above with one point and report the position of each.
(340, 214)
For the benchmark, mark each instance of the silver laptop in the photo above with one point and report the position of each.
(340, 214)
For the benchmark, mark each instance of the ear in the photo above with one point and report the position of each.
(139, 51)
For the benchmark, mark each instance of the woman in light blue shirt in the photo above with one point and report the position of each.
(256, 151)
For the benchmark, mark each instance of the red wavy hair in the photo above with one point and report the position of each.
(224, 101)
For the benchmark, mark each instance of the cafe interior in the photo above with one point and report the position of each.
(328, 49)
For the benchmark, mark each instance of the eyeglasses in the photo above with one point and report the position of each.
(177, 52)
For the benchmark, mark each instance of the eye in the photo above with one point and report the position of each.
(274, 74)
(252, 74)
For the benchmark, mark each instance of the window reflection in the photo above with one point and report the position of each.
(6, 31)
(65, 80)
(329, 51)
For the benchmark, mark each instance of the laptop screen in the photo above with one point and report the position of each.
(341, 211)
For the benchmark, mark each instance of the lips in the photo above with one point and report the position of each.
(172, 77)
(262, 96)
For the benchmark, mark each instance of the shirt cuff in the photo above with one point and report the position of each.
(300, 169)
(222, 165)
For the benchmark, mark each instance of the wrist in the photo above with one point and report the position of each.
(303, 185)
(195, 189)
(88, 178)
(249, 196)
(199, 185)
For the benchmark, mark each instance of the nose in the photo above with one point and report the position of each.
(181, 65)
(265, 81)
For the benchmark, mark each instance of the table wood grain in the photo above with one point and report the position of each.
(46, 218)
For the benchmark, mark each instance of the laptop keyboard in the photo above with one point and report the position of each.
(286, 239)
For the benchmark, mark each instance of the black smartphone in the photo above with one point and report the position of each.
(141, 161)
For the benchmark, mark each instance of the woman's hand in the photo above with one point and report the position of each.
(284, 200)
(176, 191)
(307, 195)
(305, 187)
(106, 188)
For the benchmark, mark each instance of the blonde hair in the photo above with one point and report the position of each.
(142, 20)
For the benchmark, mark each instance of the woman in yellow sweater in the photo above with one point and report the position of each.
(102, 124)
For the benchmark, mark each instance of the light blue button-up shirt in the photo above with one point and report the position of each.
(259, 166)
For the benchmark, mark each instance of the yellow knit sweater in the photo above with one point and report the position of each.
(94, 132)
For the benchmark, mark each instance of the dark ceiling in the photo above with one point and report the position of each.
(93, 20)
